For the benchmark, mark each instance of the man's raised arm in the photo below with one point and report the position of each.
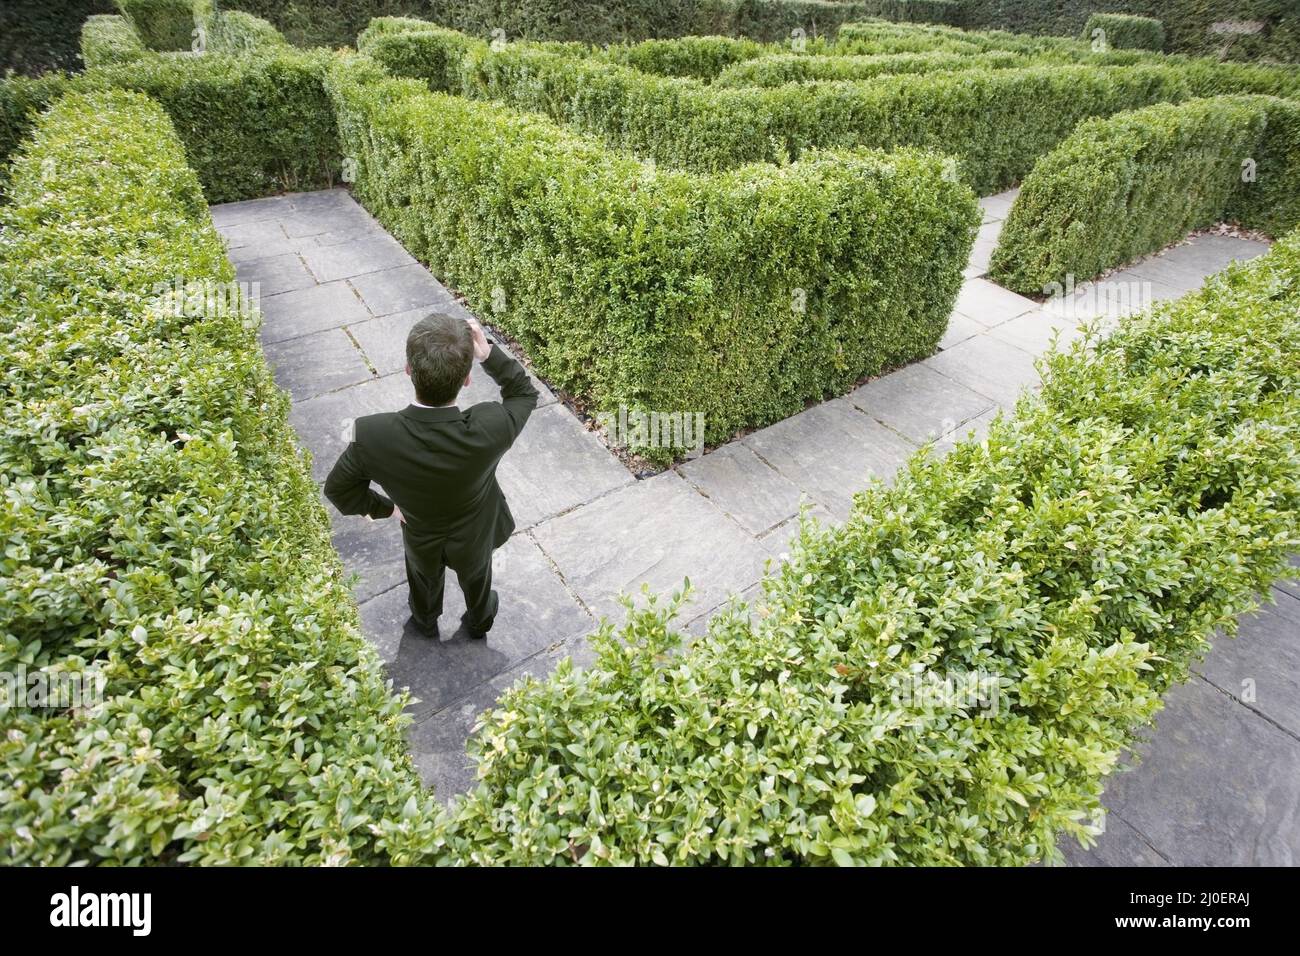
(517, 393)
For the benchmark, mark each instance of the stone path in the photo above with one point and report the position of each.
(338, 295)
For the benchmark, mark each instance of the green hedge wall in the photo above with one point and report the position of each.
(1081, 557)
(951, 12)
(161, 24)
(701, 58)
(801, 68)
(107, 40)
(1122, 187)
(739, 295)
(161, 527)
(251, 125)
(1271, 202)
(1123, 31)
(37, 36)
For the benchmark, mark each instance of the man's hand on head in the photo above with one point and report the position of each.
(481, 346)
(397, 513)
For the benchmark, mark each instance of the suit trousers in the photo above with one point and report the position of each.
(426, 577)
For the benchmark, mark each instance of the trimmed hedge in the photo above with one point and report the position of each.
(1081, 557)
(161, 24)
(950, 12)
(739, 295)
(1271, 202)
(999, 121)
(1126, 186)
(251, 125)
(800, 68)
(701, 58)
(1123, 31)
(109, 39)
(234, 32)
(161, 528)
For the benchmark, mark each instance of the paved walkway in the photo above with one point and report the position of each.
(338, 296)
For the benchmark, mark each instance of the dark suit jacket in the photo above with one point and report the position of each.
(439, 465)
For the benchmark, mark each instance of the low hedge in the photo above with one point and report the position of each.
(739, 295)
(801, 68)
(1129, 185)
(161, 528)
(1124, 31)
(251, 125)
(161, 24)
(1076, 562)
(110, 39)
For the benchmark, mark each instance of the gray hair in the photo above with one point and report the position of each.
(440, 353)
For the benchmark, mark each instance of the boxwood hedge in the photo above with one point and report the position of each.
(802, 68)
(740, 295)
(1122, 187)
(251, 124)
(109, 39)
(999, 121)
(161, 24)
(161, 529)
(1076, 562)
(1124, 31)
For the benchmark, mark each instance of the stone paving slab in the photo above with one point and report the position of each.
(313, 309)
(1035, 332)
(752, 492)
(1216, 784)
(537, 610)
(919, 403)
(275, 274)
(831, 451)
(997, 207)
(1262, 669)
(317, 363)
(989, 304)
(658, 531)
(989, 366)
(401, 290)
(357, 257)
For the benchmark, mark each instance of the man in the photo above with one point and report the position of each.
(437, 465)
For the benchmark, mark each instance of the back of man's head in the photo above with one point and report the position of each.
(439, 353)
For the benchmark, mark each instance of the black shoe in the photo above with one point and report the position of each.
(428, 628)
(471, 631)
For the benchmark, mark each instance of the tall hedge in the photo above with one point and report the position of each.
(161, 24)
(1125, 32)
(739, 295)
(997, 121)
(37, 36)
(251, 124)
(162, 529)
(1126, 186)
(108, 40)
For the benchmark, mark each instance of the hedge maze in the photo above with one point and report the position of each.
(739, 225)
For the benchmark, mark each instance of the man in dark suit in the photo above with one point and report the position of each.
(437, 466)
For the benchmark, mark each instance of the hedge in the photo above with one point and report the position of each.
(701, 58)
(1079, 560)
(1129, 185)
(161, 528)
(1123, 31)
(37, 36)
(234, 32)
(1271, 203)
(951, 12)
(801, 68)
(161, 24)
(109, 39)
(251, 125)
(739, 295)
